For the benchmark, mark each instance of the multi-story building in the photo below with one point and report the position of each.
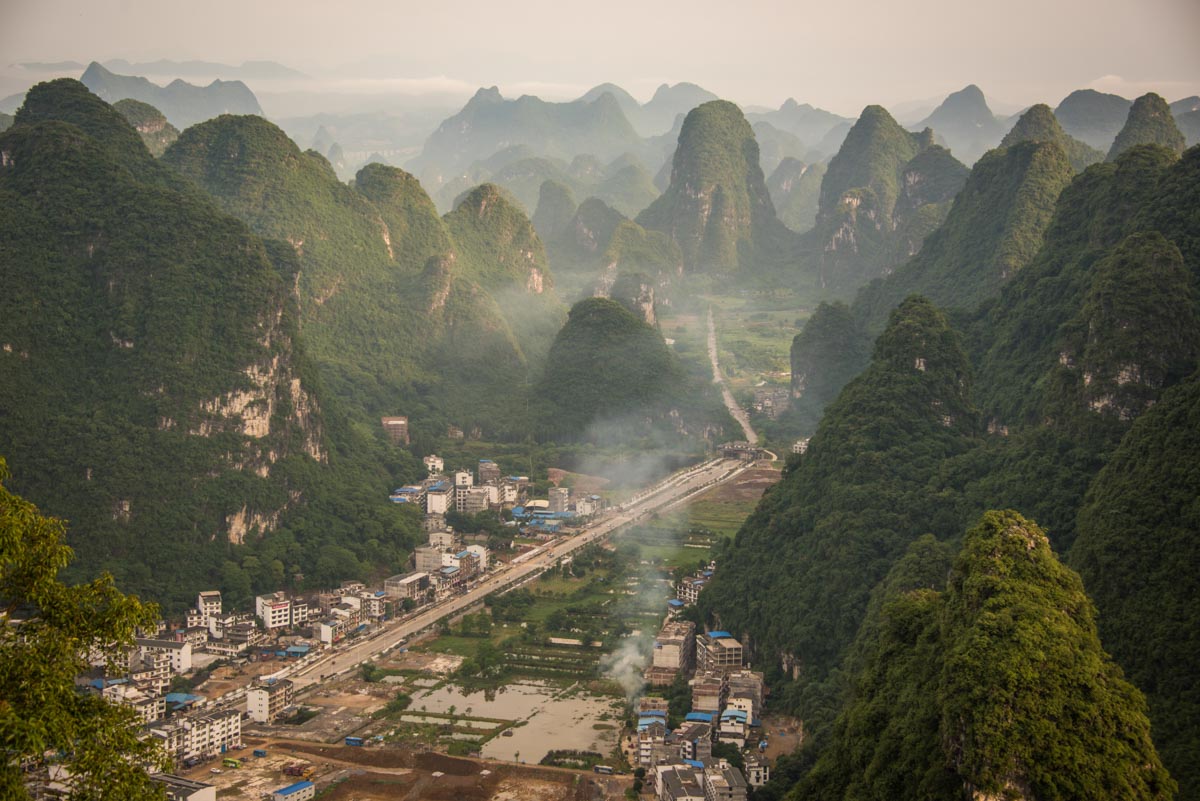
(427, 559)
(439, 498)
(148, 705)
(268, 700)
(724, 783)
(489, 471)
(718, 650)
(434, 464)
(758, 770)
(410, 585)
(212, 732)
(689, 589)
(180, 652)
(708, 691)
(695, 741)
(471, 500)
(396, 429)
(274, 610)
(208, 604)
(480, 552)
(746, 691)
(650, 735)
(463, 478)
(560, 499)
(674, 651)
(443, 540)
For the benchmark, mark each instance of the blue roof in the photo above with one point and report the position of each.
(735, 714)
(718, 635)
(674, 602)
(653, 713)
(439, 485)
(298, 649)
(294, 788)
(449, 569)
(699, 717)
(707, 574)
(695, 763)
(461, 554)
(645, 723)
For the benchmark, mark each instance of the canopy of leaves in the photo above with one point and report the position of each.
(1150, 122)
(1038, 124)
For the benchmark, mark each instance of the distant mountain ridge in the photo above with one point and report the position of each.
(184, 104)
(965, 122)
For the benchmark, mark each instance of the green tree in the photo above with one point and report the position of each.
(50, 630)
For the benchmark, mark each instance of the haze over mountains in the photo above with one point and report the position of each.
(200, 309)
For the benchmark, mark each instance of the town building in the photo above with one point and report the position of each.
(560, 499)
(489, 471)
(443, 540)
(410, 585)
(439, 498)
(396, 429)
(470, 500)
(724, 782)
(746, 691)
(708, 691)
(179, 652)
(427, 559)
(718, 650)
(434, 464)
(275, 611)
(481, 554)
(208, 605)
(300, 791)
(758, 770)
(267, 701)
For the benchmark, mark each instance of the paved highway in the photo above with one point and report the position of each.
(669, 492)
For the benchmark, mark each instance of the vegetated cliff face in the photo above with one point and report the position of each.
(157, 134)
(946, 705)
(884, 191)
(1150, 122)
(1137, 553)
(795, 189)
(717, 208)
(1085, 341)
(184, 104)
(152, 379)
(1038, 124)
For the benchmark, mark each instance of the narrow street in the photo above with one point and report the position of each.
(737, 411)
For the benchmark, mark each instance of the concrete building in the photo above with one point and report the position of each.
(472, 500)
(434, 464)
(746, 691)
(396, 429)
(300, 791)
(180, 652)
(439, 498)
(708, 691)
(199, 735)
(758, 770)
(718, 650)
(489, 471)
(480, 552)
(443, 540)
(653, 733)
(724, 783)
(427, 559)
(675, 646)
(274, 610)
(695, 741)
(560, 499)
(208, 604)
(266, 701)
(409, 585)
(463, 478)
(689, 589)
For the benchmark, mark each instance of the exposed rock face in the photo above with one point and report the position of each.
(149, 122)
(717, 208)
(635, 292)
(882, 194)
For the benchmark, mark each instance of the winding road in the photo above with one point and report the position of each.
(735, 409)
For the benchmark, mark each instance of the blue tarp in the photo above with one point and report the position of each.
(699, 717)
(719, 635)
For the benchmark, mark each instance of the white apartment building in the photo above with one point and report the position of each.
(179, 652)
(266, 701)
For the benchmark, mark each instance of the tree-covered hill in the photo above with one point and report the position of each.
(153, 387)
(879, 200)
(1038, 124)
(717, 208)
(1084, 342)
(1139, 555)
(1150, 122)
(795, 189)
(150, 124)
(996, 685)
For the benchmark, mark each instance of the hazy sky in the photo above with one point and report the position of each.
(837, 55)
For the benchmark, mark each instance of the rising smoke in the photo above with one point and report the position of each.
(625, 666)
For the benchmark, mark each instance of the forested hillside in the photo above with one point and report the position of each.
(1063, 379)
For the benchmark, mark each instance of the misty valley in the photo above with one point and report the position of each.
(524, 448)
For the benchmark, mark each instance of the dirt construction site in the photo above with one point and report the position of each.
(388, 773)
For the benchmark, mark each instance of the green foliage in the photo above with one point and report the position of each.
(717, 208)
(884, 191)
(1038, 124)
(1093, 117)
(795, 189)
(997, 685)
(1150, 122)
(1138, 553)
(830, 351)
(157, 134)
(50, 632)
(606, 368)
